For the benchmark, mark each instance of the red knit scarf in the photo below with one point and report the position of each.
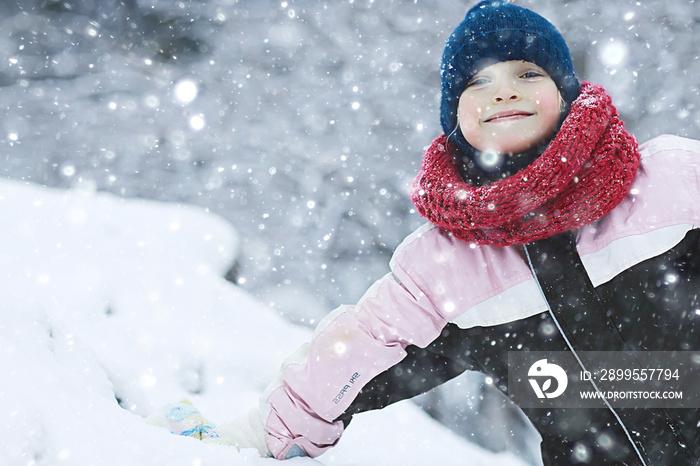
(581, 176)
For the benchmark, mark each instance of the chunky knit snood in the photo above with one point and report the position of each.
(583, 174)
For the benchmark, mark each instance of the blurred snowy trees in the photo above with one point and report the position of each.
(300, 121)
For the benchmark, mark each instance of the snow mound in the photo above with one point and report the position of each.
(112, 308)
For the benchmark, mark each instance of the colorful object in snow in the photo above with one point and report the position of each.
(184, 419)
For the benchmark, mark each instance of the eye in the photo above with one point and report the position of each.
(533, 74)
(478, 81)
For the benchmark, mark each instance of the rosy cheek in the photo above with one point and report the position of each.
(469, 111)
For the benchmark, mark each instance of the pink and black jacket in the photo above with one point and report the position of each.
(445, 297)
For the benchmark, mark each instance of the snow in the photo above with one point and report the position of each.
(247, 108)
(302, 123)
(112, 308)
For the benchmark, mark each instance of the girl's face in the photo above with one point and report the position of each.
(509, 107)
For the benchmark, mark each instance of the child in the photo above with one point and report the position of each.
(550, 230)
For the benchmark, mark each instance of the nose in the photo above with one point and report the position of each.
(506, 92)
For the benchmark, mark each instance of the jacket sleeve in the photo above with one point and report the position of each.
(349, 348)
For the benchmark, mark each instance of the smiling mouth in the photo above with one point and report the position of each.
(509, 115)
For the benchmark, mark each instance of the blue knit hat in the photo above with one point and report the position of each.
(499, 31)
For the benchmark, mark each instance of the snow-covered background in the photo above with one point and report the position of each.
(112, 308)
(300, 124)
